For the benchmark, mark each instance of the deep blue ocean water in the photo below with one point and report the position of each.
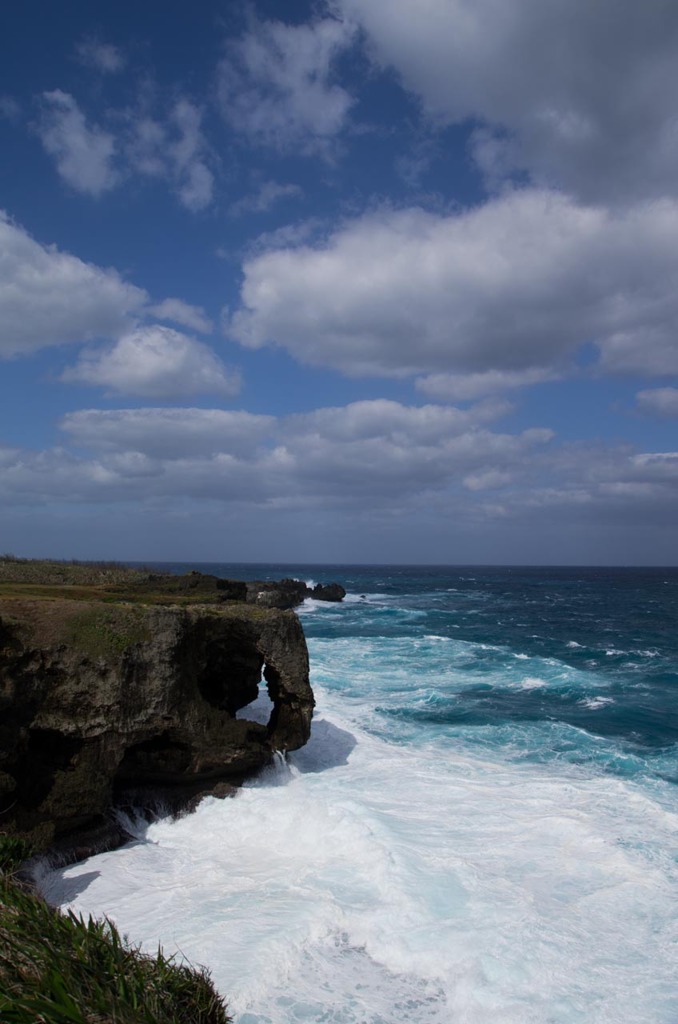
(483, 827)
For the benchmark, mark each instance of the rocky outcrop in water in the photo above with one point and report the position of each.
(102, 700)
(290, 593)
(286, 593)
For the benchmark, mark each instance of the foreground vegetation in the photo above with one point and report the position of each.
(59, 969)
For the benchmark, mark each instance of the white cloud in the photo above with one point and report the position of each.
(457, 387)
(388, 467)
(276, 83)
(196, 186)
(179, 312)
(267, 195)
(173, 149)
(659, 401)
(386, 419)
(514, 286)
(286, 236)
(195, 181)
(103, 57)
(147, 145)
(48, 297)
(648, 345)
(168, 434)
(333, 458)
(84, 154)
(157, 362)
(584, 95)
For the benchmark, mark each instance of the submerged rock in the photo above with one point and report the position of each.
(101, 702)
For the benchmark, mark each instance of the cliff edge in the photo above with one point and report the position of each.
(100, 700)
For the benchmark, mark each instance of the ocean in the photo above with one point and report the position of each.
(483, 828)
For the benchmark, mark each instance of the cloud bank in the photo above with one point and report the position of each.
(515, 286)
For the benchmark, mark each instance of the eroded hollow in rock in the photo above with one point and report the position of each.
(47, 752)
(261, 709)
(159, 759)
(229, 674)
(272, 677)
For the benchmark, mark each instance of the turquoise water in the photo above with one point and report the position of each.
(483, 827)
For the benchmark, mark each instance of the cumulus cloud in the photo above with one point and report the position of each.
(195, 181)
(514, 286)
(102, 57)
(385, 419)
(455, 387)
(48, 297)
(157, 362)
(267, 195)
(659, 402)
(179, 312)
(332, 458)
(582, 95)
(84, 153)
(169, 433)
(388, 466)
(173, 148)
(276, 83)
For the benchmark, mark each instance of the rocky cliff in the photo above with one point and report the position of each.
(102, 698)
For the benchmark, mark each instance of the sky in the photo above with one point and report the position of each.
(344, 281)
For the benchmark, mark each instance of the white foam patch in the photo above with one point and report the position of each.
(381, 599)
(371, 883)
(532, 683)
(596, 702)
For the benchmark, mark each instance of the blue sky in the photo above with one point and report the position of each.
(360, 280)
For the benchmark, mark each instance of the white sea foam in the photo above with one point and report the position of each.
(532, 683)
(372, 881)
(368, 883)
(596, 702)
(573, 643)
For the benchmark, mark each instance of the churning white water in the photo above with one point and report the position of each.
(516, 872)
(369, 883)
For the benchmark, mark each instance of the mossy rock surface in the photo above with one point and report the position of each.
(106, 631)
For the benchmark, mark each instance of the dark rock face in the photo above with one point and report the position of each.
(289, 593)
(328, 592)
(286, 593)
(98, 700)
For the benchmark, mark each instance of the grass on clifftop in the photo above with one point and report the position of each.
(46, 579)
(47, 571)
(59, 969)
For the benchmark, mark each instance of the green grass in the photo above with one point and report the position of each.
(106, 631)
(45, 579)
(51, 571)
(60, 969)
